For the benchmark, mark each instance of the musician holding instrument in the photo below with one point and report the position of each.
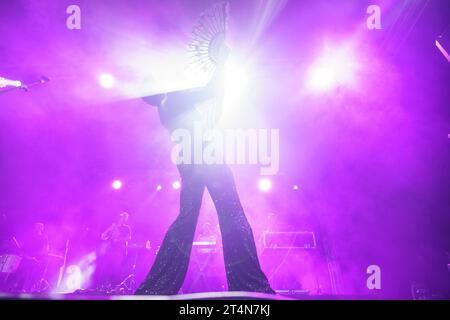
(34, 249)
(118, 233)
(113, 251)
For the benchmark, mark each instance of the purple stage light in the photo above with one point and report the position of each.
(176, 185)
(116, 184)
(336, 67)
(159, 187)
(106, 80)
(264, 184)
(295, 187)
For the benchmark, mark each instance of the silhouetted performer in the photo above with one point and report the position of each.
(180, 110)
(34, 250)
(112, 253)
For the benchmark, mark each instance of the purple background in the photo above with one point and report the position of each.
(372, 163)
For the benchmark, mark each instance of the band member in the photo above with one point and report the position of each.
(207, 236)
(180, 110)
(205, 273)
(34, 249)
(113, 252)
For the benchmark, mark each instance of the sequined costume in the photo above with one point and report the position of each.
(243, 271)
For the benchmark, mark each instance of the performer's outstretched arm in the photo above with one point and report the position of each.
(214, 88)
(171, 105)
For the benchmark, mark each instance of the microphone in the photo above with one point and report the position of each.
(41, 80)
(7, 82)
(19, 85)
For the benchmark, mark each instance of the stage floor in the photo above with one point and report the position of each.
(89, 295)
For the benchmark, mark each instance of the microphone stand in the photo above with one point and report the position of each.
(26, 87)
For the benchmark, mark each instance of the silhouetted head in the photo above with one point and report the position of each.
(123, 218)
(38, 228)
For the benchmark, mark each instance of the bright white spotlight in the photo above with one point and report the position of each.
(264, 184)
(295, 187)
(116, 184)
(159, 187)
(74, 277)
(323, 78)
(77, 275)
(236, 79)
(336, 67)
(106, 80)
(176, 185)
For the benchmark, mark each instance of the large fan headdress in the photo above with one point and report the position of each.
(208, 37)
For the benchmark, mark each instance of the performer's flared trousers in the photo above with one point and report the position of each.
(242, 267)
